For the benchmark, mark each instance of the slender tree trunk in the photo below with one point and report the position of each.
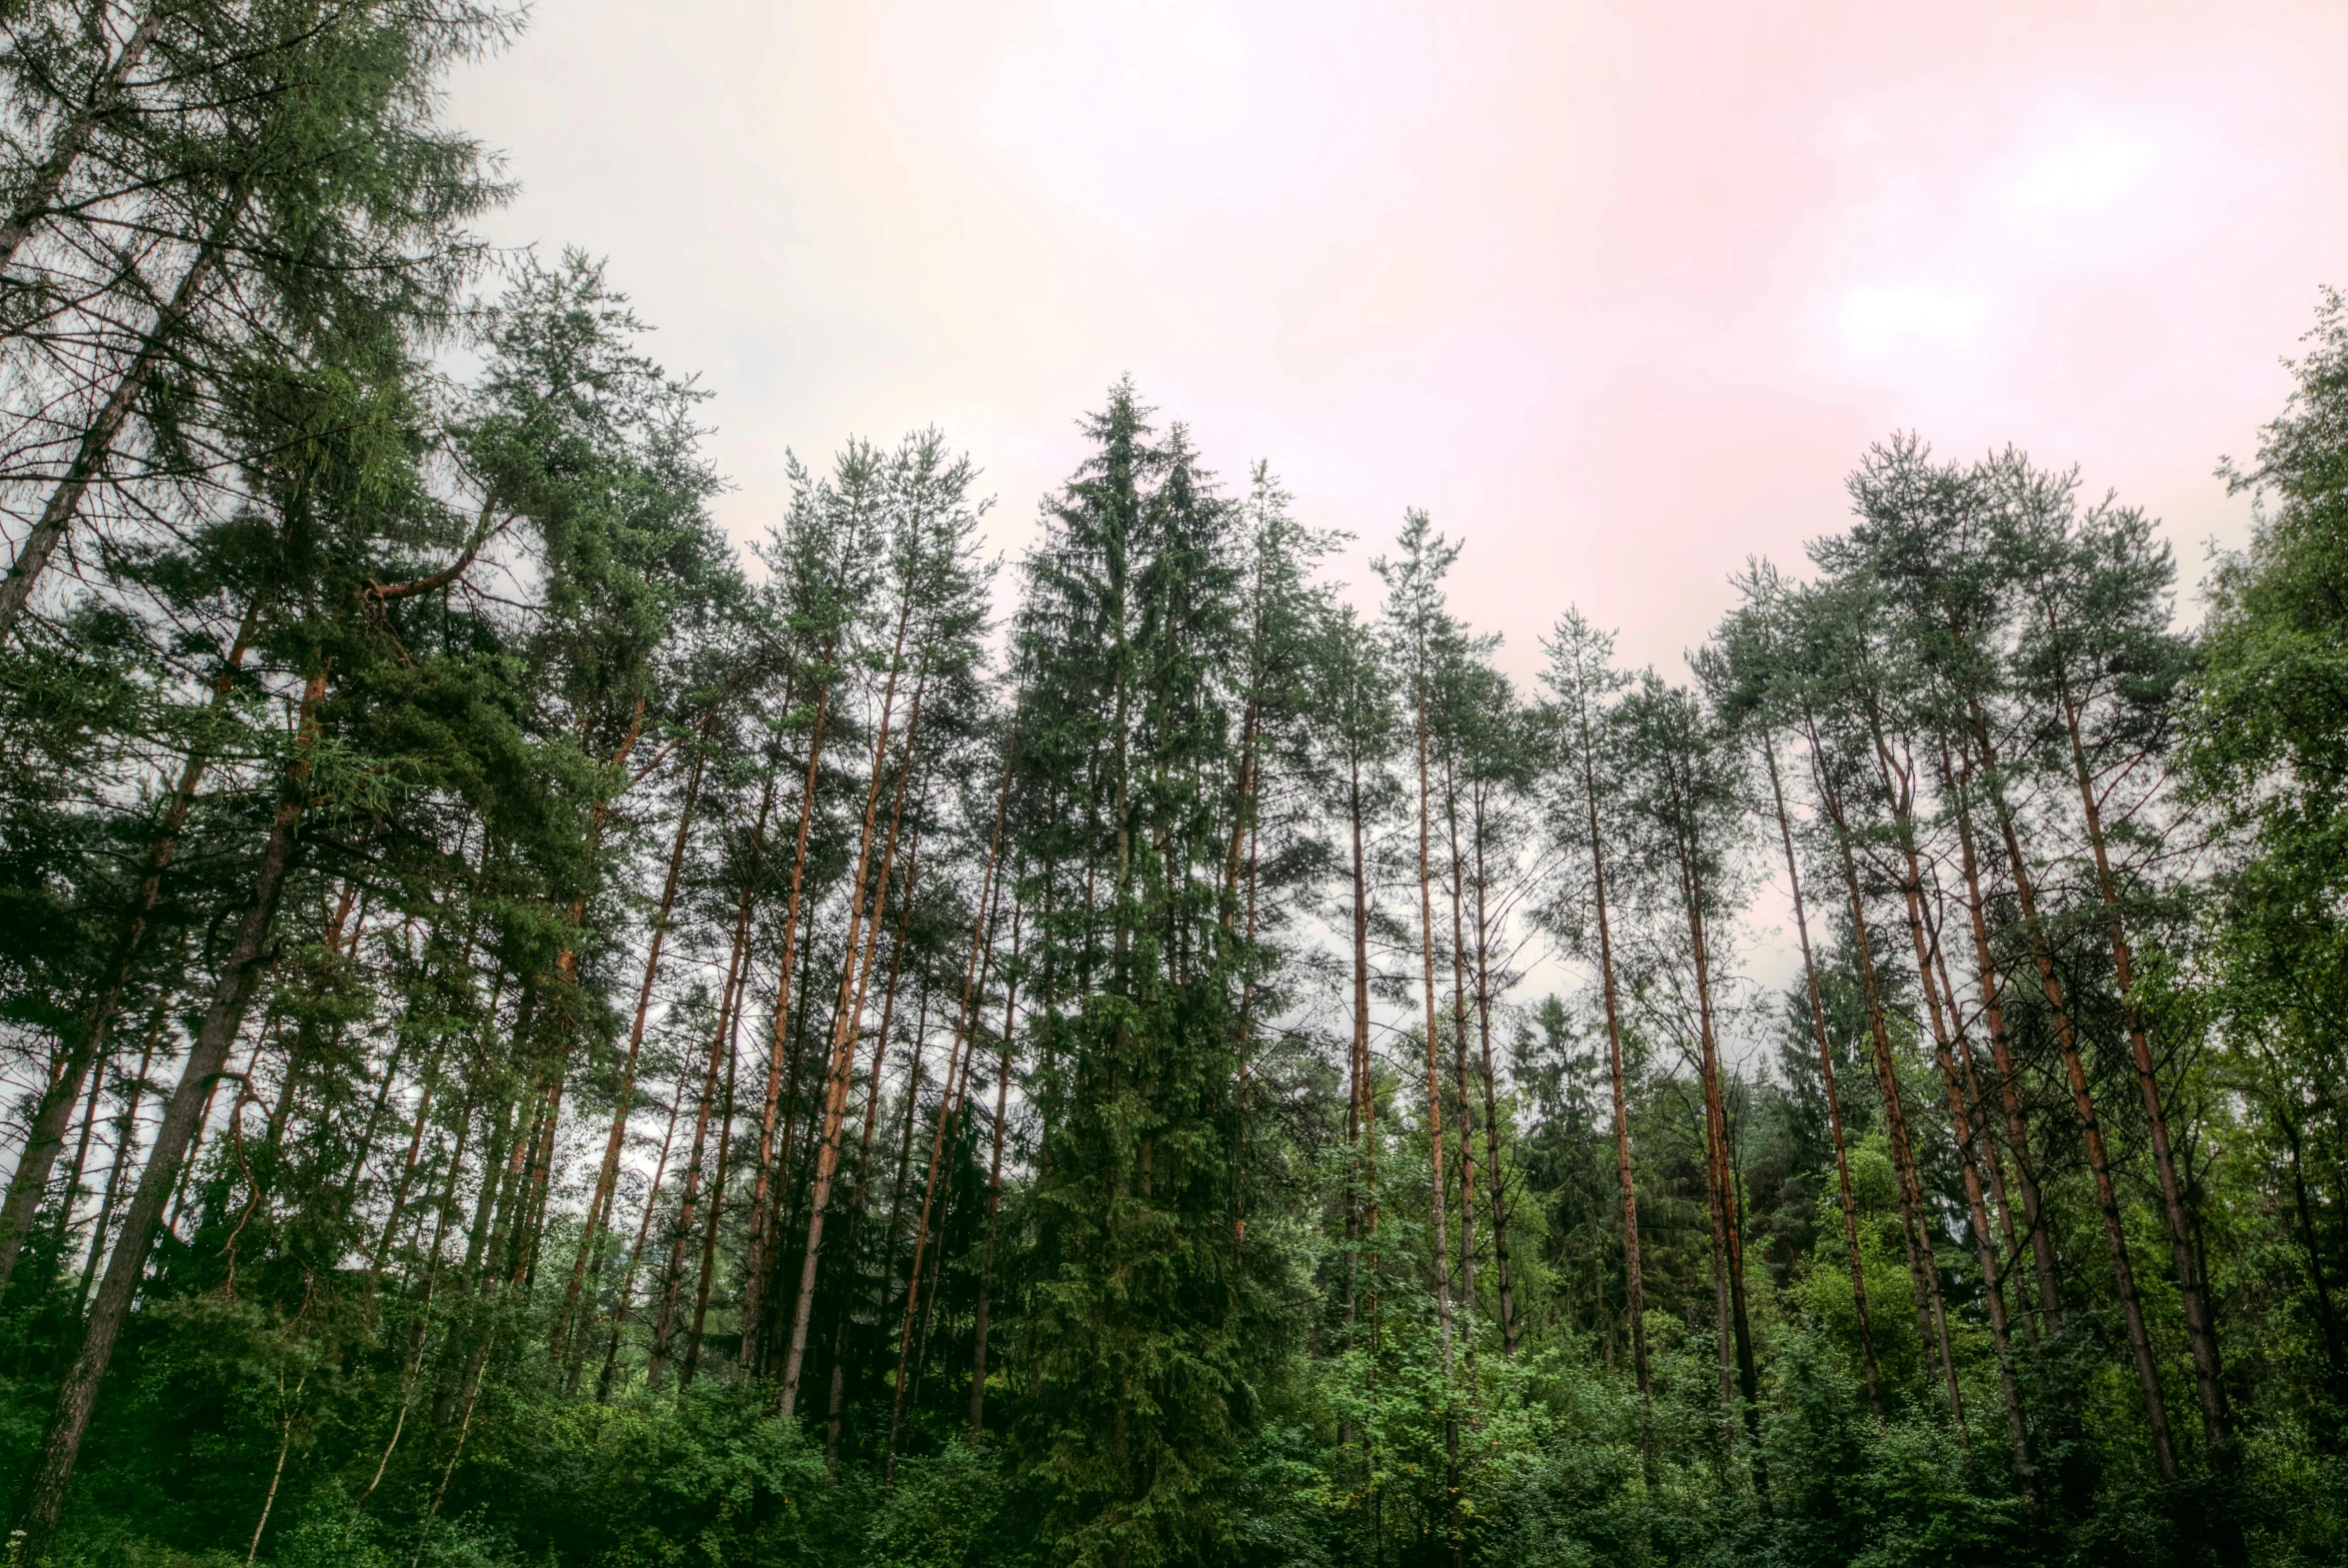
(860, 1190)
(73, 138)
(81, 1161)
(1434, 1068)
(2107, 1202)
(1011, 992)
(958, 1053)
(1940, 1014)
(1467, 1297)
(754, 1274)
(843, 1054)
(239, 969)
(709, 1226)
(652, 1202)
(591, 1234)
(97, 442)
(48, 1127)
(126, 1146)
(1359, 1114)
(2200, 1330)
(1635, 1288)
(1850, 1208)
(687, 1206)
(2017, 1127)
(2326, 1316)
(1493, 1182)
(1915, 1227)
(1727, 1232)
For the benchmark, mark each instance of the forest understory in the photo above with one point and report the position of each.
(532, 1036)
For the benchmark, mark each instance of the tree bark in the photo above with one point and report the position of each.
(2017, 1127)
(753, 1276)
(206, 1056)
(1011, 992)
(1635, 1289)
(97, 442)
(591, 1234)
(2200, 1330)
(2107, 1203)
(1850, 1208)
(1495, 1185)
(1915, 1227)
(843, 1053)
(1727, 1231)
(1434, 1068)
(74, 137)
(48, 1127)
(958, 1054)
(1940, 1015)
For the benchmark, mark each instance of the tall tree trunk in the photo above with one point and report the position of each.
(1434, 1068)
(755, 1268)
(2107, 1203)
(2200, 1330)
(1915, 1227)
(242, 964)
(2327, 1317)
(715, 1211)
(2017, 1126)
(49, 1118)
(1495, 1185)
(1360, 1115)
(957, 1055)
(860, 1190)
(1011, 992)
(591, 1234)
(1940, 1015)
(652, 1204)
(687, 1207)
(73, 138)
(97, 442)
(1635, 1288)
(1467, 1297)
(126, 1146)
(843, 1033)
(1850, 1208)
(1727, 1231)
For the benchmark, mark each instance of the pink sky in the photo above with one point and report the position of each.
(1618, 291)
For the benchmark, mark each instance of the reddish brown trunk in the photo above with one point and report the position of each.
(1850, 1211)
(1727, 1233)
(1635, 1288)
(2200, 1331)
(2017, 1127)
(843, 1052)
(1915, 1230)
(1941, 1017)
(754, 1277)
(2107, 1204)
(591, 1234)
(982, 944)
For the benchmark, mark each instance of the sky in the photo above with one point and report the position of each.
(1619, 292)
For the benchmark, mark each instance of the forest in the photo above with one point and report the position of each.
(532, 1036)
